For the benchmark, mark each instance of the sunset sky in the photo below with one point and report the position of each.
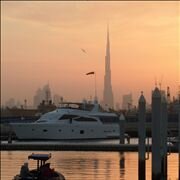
(41, 42)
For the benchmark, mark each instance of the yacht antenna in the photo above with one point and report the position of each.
(25, 103)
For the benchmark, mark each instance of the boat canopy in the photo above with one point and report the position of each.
(81, 106)
(42, 157)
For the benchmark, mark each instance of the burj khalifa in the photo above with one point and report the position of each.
(108, 94)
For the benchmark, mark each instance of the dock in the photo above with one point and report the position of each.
(75, 147)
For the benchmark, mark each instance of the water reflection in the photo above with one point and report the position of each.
(122, 165)
(10, 155)
(86, 165)
(96, 167)
(107, 168)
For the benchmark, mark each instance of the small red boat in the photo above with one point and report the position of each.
(43, 171)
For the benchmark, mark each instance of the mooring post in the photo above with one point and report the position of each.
(156, 134)
(142, 136)
(164, 120)
(121, 128)
(179, 137)
(10, 138)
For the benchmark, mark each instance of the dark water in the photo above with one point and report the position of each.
(86, 165)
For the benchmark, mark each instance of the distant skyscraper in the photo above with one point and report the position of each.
(108, 94)
(127, 101)
(10, 103)
(42, 94)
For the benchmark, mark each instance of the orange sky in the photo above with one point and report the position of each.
(41, 42)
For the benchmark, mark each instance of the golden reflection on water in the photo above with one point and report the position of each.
(86, 165)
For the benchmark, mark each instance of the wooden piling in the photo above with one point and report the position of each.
(164, 119)
(142, 136)
(179, 138)
(156, 135)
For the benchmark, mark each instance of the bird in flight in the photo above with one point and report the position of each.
(83, 50)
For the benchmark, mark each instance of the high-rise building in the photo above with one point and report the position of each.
(43, 94)
(108, 99)
(10, 103)
(127, 101)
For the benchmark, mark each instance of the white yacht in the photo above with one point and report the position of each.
(71, 121)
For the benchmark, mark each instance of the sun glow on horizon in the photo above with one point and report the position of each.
(39, 47)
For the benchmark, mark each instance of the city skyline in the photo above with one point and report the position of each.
(39, 47)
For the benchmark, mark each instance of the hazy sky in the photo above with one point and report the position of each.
(41, 42)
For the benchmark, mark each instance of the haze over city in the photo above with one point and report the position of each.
(43, 42)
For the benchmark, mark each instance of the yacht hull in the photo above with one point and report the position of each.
(53, 131)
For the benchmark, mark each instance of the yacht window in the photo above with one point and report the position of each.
(109, 119)
(85, 119)
(68, 116)
(107, 131)
(81, 131)
(45, 130)
(48, 116)
(80, 106)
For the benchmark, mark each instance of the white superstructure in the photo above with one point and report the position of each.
(71, 121)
